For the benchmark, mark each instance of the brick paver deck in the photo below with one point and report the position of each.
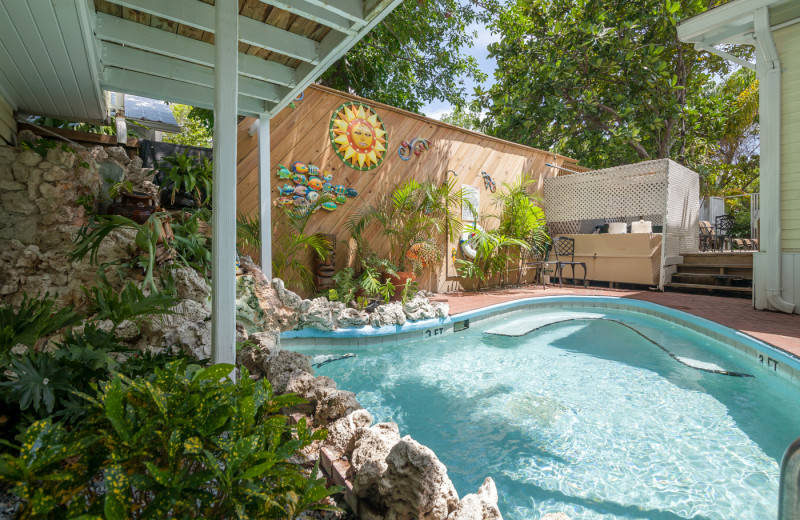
(778, 329)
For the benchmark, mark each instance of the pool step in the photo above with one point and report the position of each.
(523, 326)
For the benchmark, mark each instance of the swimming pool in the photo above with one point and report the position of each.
(599, 413)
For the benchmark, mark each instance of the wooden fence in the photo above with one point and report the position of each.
(301, 134)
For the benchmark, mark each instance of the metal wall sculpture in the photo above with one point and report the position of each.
(358, 136)
(416, 146)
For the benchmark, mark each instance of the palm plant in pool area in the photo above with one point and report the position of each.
(293, 243)
(521, 217)
(411, 214)
(493, 252)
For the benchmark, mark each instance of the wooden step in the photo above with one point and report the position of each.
(715, 276)
(743, 258)
(727, 266)
(716, 288)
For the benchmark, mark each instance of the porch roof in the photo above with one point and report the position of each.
(57, 56)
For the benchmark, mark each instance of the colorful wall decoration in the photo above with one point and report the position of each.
(312, 189)
(358, 136)
(416, 146)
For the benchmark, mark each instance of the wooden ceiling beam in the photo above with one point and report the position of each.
(112, 29)
(201, 16)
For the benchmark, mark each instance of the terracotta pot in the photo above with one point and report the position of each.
(135, 206)
(399, 282)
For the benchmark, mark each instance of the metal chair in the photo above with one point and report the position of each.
(536, 257)
(723, 226)
(564, 247)
(707, 240)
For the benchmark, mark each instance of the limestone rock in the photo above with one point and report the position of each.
(478, 506)
(352, 318)
(334, 404)
(119, 154)
(279, 368)
(389, 314)
(60, 157)
(419, 308)
(342, 430)
(310, 388)
(287, 297)
(190, 285)
(318, 315)
(415, 484)
(367, 450)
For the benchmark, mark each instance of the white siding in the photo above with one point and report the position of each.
(788, 42)
(8, 127)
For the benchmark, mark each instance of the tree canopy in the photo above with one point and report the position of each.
(604, 82)
(417, 54)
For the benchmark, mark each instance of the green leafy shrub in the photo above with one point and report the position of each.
(35, 318)
(128, 304)
(185, 442)
(190, 174)
(493, 252)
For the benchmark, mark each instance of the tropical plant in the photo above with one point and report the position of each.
(98, 227)
(412, 213)
(190, 245)
(190, 174)
(409, 289)
(291, 251)
(107, 303)
(521, 217)
(248, 232)
(34, 318)
(184, 442)
(493, 252)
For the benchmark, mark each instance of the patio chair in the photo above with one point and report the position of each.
(723, 226)
(536, 257)
(564, 247)
(706, 235)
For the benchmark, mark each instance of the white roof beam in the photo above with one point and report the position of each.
(350, 9)
(317, 14)
(113, 29)
(332, 47)
(201, 16)
(157, 65)
(695, 28)
(172, 90)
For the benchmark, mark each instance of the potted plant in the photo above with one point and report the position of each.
(186, 181)
(413, 216)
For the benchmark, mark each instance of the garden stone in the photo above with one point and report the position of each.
(310, 388)
(118, 154)
(190, 285)
(479, 506)
(342, 430)
(388, 314)
(415, 484)
(318, 315)
(287, 297)
(367, 451)
(9, 185)
(13, 202)
(34, 181)
(268, 341)
(334, 404)
(54, 174)
(279, 368)
(60, 157)
(352, 318)
(29, 158)
(419, 308)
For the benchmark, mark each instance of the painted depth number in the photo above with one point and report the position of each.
(433, 332)
(771, 363)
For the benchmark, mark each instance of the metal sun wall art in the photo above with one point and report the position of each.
(358, 136)
(416, 146)
(313, 187)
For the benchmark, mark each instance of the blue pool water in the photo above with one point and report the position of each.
(586, 416)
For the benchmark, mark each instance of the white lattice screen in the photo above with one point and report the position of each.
(661, 191)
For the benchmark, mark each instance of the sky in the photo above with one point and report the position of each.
(437, 109)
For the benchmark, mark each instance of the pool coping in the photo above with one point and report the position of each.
(780, 362)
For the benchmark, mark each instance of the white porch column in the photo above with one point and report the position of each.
(265, 196)
(223, 269)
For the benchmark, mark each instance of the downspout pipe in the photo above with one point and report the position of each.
(768, 70)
